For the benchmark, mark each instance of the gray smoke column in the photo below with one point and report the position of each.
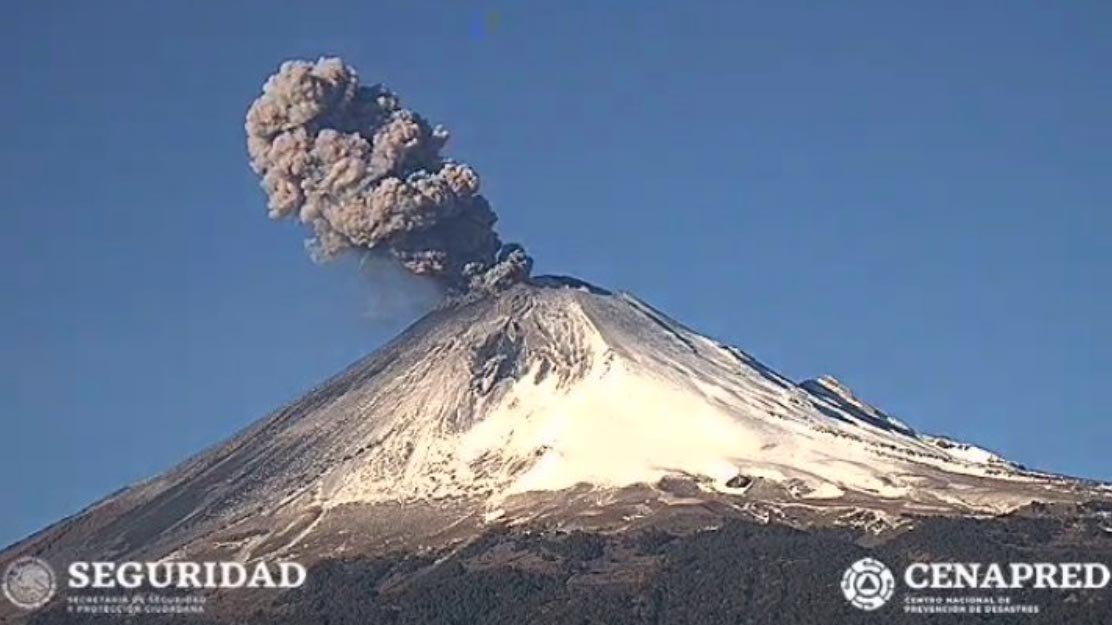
(366, 174)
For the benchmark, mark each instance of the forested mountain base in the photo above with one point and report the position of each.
(739, 572)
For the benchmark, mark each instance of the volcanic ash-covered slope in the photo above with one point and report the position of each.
(521, 402)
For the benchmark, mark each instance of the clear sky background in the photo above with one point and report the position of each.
(915, 199)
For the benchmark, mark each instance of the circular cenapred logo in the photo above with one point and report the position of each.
(29, 583)
(868, 584)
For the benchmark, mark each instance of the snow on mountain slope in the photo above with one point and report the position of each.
(543, 390)
(566, 386)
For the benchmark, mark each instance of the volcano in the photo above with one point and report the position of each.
(552, 404)
(549, 399)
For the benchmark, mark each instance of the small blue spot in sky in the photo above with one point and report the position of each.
(487, 24)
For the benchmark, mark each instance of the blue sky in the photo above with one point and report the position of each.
(914, 199)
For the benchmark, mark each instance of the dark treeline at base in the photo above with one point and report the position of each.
(739, 573)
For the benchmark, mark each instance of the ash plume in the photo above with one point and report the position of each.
(366, 174)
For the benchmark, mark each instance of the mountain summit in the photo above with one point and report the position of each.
(552, 401)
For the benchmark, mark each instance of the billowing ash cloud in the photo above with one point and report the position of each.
(366, 174)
